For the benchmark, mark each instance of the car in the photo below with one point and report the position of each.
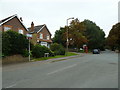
(96, 51)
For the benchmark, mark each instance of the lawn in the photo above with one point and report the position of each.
(57, 56)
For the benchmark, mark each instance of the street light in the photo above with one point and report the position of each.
(67, 33)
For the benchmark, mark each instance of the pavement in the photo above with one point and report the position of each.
(81, 71)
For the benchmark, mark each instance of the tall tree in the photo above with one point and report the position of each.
(113, 39)
(59, 36)
(76, 34)
(95, 35)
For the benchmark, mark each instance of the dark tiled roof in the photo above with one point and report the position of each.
(36, 28)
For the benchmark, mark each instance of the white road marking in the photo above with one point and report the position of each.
(11, 86)
(61, 69)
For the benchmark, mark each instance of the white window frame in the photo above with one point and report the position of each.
(41, 36)
(7, 28)
(48, 37)
(20, 31)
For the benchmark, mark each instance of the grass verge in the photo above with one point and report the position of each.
(57, 56)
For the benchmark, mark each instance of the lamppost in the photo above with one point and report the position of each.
(67, 33)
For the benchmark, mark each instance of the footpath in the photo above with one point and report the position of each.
(63, 58)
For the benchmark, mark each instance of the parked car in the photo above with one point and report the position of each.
(96, 51)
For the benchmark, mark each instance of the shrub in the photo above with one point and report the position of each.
(57, 49)
(25, 53)
(38, 51)
(13, 43)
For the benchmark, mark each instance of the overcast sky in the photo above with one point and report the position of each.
(54, 13)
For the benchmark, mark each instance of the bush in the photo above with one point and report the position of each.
(25, 53)
(13, 43)
(57, 49)
(38, 51)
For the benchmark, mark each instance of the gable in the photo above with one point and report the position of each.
(45, 30)
(13, 21)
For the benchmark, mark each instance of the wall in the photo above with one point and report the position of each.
(45, 32)
(15, 23)
(14, 59)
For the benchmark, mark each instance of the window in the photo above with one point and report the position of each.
(20, 31)
(44, 44)
(41, 36)
(7, 28)
(48, 37)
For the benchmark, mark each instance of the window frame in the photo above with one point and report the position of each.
(7, 26)
(48, 37)
(41, 37)
(22, 31)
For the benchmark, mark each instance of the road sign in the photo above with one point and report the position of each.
(29, 36)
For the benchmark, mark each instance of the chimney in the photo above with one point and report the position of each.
(32, 26)
(21, 19)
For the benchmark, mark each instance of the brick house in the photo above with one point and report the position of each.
(40, 35)
(13, 23)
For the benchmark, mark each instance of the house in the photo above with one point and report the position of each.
(13, 23)
(40, 35)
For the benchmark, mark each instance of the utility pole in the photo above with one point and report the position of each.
(29, 49)
(67, 43)
(29, 36)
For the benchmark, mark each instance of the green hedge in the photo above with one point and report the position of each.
(39, 51)
(57, 49)
(14, 43)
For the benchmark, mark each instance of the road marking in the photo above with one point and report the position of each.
(11, 86)
(61, 69)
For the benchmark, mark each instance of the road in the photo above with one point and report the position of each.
(88, 71)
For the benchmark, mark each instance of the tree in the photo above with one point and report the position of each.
(113, 39)
(76, 34)
(13, 43)
(59, 37)
(95, 35)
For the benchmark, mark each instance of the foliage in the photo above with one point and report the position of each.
(76, 34)
(59, 37)
(57, 56)
(80, 33)
(13, 43)
(25, 53)
(57, 49)
(113, 39)
(95, 35)
(39, 51)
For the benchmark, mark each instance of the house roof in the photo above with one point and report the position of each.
(9, 18)
(36, 28)
(39, 28)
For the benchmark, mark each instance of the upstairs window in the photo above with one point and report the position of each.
(41, 36)
(6, 28)
(20, 31)
(48, 37)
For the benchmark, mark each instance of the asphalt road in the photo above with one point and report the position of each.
(88, 71)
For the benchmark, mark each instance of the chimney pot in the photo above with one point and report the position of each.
(21, 19)
(32, 26)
